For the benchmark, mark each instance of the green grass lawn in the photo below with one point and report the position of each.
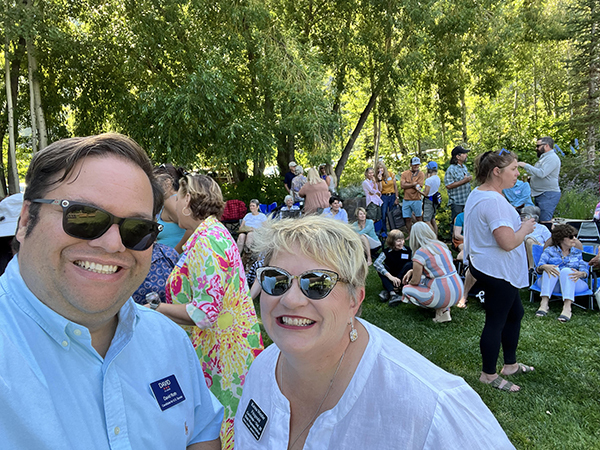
(558, 406)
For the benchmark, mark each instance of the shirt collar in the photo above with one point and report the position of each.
(60, 329)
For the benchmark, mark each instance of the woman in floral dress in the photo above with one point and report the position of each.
(209, 297)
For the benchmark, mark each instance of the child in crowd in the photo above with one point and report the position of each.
(391, 265)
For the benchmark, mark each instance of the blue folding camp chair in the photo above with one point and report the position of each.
(537, 251)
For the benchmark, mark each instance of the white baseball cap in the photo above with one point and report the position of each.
(414, 161)
(10, 209)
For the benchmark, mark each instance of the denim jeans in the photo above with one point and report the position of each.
(388, 204)
(547, 202)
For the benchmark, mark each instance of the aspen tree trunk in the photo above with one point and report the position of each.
(13, 176)
(32, 108)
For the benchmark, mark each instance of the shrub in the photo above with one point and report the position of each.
(579, 185)
(266, 189)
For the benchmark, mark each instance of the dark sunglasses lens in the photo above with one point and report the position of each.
(138, 234)
(274, 282)
(85, 222)
(317, 285)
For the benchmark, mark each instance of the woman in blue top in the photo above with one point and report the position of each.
(366, 228)
(172, 234)
(562, 263)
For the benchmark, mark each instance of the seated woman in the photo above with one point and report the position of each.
(561, 263)
(433, 281)
(208, 296)
(392, 264)
(458, 238)
(251, 221)
(335, 210)
(329, 377)
(366, 229)
(288, 205)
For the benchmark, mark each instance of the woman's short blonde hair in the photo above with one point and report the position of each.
(330, 243)
(359, 209)
(206, 198)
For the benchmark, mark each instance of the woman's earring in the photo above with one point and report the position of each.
(353, 332)
(187, 214)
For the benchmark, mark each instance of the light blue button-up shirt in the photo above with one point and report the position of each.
(57, 392)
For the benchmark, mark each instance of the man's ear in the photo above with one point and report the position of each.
(23, 221)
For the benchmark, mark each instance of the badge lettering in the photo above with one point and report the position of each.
(167, 392)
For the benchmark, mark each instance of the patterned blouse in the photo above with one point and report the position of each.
(210, 280)
(553, 255)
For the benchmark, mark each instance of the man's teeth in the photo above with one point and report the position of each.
(297, 322)
(98, 268)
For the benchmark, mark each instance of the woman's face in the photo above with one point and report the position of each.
(319, 325)
(569, 242)
(289, 202)
(361, 216)
(398, 243)
(509, 175)
(254, 208)
(370, 174)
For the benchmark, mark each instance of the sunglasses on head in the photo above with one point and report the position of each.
(314, 284)
(89, 222)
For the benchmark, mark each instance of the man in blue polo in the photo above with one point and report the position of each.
(81, 365)
(544, 179)
(458, 181)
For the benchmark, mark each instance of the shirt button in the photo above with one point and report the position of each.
(117, 430)
(77, 332)
(65, 343)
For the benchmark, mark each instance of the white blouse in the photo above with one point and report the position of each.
(396, 399)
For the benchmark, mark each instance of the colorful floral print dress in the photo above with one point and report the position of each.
(210, 280)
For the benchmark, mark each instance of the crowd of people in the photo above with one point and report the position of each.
(127, 288)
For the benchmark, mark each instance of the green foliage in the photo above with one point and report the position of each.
(579, 186)
(266, 189)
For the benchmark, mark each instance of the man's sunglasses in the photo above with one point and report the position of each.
(315, 284)
(89, 222)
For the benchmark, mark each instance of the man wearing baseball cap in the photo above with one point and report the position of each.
(431, 196)
(289, 176)
(411, 181)
(458, 181)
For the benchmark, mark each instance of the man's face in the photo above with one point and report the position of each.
(540, 148)
(461, 157)
(51, 261)
(415, 168)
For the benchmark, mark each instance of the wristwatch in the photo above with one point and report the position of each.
(153, 299)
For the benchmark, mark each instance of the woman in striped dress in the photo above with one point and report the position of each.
(433, 282)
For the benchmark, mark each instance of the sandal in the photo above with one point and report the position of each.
(521, 369)
(502, 384)
(462, 303)
(564, 319)
(541, 313)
